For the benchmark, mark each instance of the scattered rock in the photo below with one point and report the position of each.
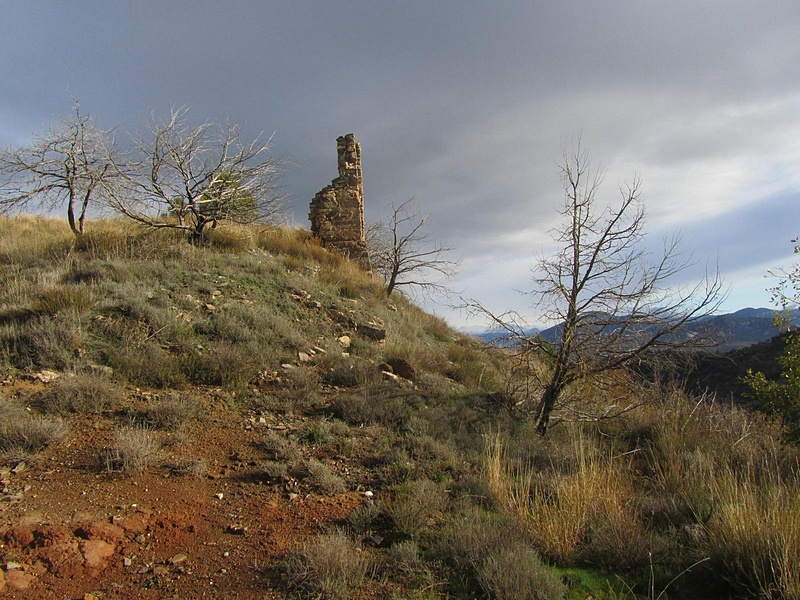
(403, 368)
(101, 370)
(177, 559)
(387, 375)
(210, 308)
(45, 376)
(21, 466)
(219, 496)
(303, 357)
(18, 580)
(372, 331)
(344, 342)
(96, 554)
(373, 540)
(236, 529)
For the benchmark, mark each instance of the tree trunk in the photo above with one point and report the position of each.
(71, 218)
(546, 405)
(392, 282)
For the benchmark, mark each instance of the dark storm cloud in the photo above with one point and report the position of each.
(462, 105)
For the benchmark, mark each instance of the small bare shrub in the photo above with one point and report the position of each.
(22, 433)
(172, 413)
(361, 519)
(404, 556)
(414, 504)
(332, 566)
(227, 365)
(322, 478)
(188, 468)
(84, 392)
(147, 364)
(383, 405)
(273, 469)
(515, 571)
(300, 392)
(133, 450)
(280, 447)
(42, 342)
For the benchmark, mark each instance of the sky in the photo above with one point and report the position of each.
(465, 107)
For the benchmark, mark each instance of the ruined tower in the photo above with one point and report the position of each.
(337, 211)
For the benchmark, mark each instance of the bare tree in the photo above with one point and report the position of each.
(613, 303)
(192, 177)
(67, 166)
(401, 251)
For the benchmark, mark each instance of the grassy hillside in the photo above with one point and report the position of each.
(264, 397)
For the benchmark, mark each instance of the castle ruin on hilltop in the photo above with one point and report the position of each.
(337, 210)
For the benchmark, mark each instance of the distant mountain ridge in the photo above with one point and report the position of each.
(730, 331)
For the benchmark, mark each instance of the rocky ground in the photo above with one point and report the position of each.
(218, 528)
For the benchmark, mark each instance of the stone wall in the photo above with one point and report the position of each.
(337, 211)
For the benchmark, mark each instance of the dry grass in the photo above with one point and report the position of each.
(562, 511)
(753, 536)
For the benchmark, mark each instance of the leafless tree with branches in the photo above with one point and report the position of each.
(70, 165)
(401, 251)
(613, 303)
(190, 177)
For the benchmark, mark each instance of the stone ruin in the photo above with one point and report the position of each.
(337, 211)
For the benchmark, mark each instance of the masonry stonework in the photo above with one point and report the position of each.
(337, 211)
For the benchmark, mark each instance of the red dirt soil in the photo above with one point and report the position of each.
(70, 529)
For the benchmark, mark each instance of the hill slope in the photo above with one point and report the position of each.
(256, 419)
(202, 412)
